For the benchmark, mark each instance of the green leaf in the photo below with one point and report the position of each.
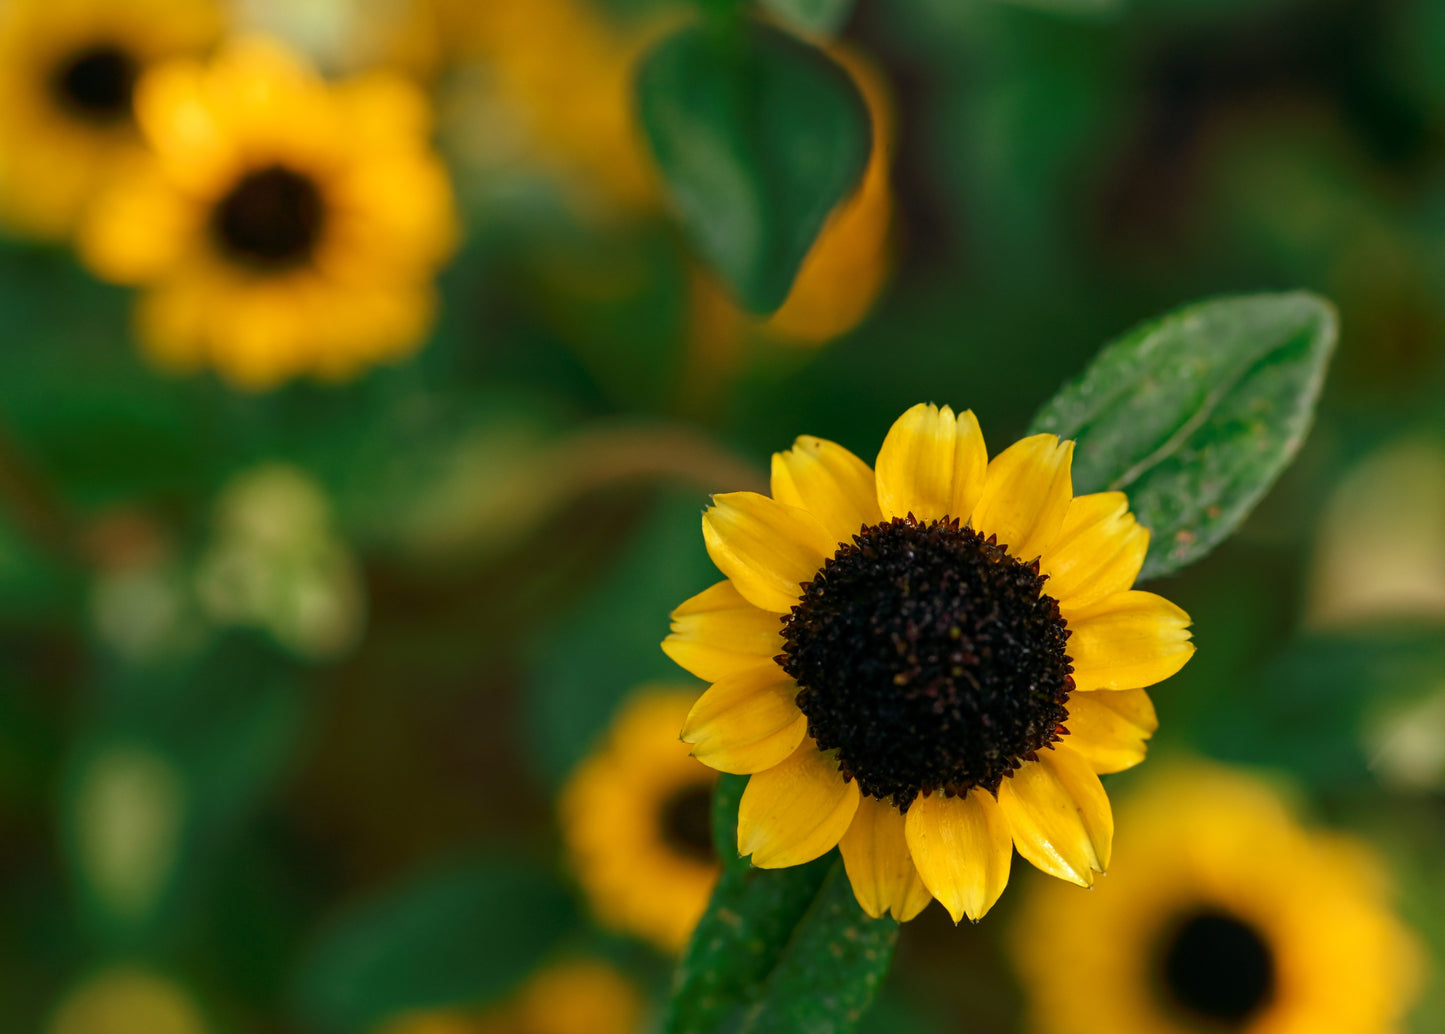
(758, 137)
(1195, 415)
(784, 950)
(823, 17)
(459, 936)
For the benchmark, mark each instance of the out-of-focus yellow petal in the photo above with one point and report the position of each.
(875, 853)
(138, 229)
(963, 850)
(746, 722)
(1127, 641)
(932, 464)
(718, 633)
(795, 812)
(1059, 814)
(1111, 730)
(829, 482)
(1097, 553)
(1026, 495)
(766, 548)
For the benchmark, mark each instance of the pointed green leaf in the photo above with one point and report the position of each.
(758, 137)
(780, 949)
(1196, 414)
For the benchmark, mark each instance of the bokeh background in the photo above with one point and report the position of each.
(294, 667)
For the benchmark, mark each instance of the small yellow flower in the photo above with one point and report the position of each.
(68, 70)
(927, 666)
(1221, 914)
(635, 815)
(578, 996)
(282, 226)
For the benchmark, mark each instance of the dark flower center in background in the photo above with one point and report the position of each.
(1218, 968)
(272, 218)
(97, 83)
(929, 659)
(686, 821)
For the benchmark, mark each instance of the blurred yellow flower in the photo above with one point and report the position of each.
(636, 818)
(1220, 913)
(282, 226)
(555, 86)
(68, 70)
(927, 665)
(578, 996)
(127, 1001)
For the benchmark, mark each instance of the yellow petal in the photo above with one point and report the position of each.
(795, 812)
(829, 482)
(718, 633)
(932, 464)
(875, 853)
(1059, 814)
(1111, 730)
(1127, 641)
(746, 722)
(766, 548)
(963, 851)
(1098, 552)
(1026, 495)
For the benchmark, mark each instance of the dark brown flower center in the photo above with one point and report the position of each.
(272, 218)
(1218, 968)
(97, 83)
(686, 821)
(929, 659)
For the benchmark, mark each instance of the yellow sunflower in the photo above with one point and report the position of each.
(928, 665)
(578, 996)
(636, 819)
(1221, 914)
(68, 70)
(282, 226)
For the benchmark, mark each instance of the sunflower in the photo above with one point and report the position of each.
(1221, 914)
(577, 996)
(635, 816)
(282, 226)
(926, 666)
(68, 70)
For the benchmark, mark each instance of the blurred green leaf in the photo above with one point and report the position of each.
(824, 17)
(1311, 706)
(1196, 414)
(460, 936)
(758, 137)
(785, 950)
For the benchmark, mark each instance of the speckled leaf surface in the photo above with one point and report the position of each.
(777, 950)
(1196, 414)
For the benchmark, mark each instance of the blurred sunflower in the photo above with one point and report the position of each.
(636, 818)
(68, 70)
(889, 666)
(1221, 914)
(282, 226)
(578, 996)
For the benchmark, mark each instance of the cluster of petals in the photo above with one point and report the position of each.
(956, 848)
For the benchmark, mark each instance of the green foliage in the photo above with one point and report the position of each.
(758, 136)
(462, 935)
(778, 950)
(1196, 414)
